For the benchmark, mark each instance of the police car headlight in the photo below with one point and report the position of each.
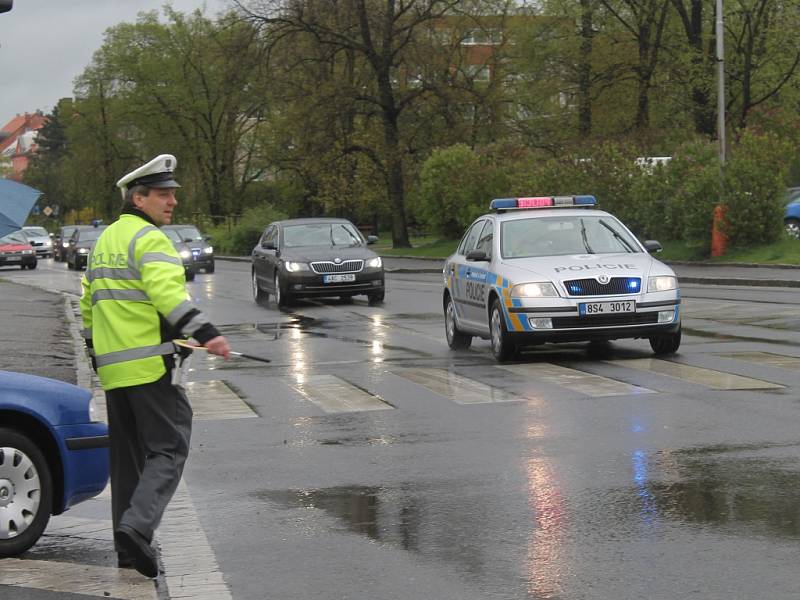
(534, 290)
(375, 263)
(185, 254)
(662, 283)
(295, 266)
(92, 411)
(209, 249)
(83, 251)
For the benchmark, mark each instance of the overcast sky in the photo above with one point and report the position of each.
(45, 44)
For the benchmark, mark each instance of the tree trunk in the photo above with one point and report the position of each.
(585, 70)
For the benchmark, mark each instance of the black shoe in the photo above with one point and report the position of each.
(140, 552)
(124, 561)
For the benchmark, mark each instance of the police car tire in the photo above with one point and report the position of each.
(210, 268)
(667, 343)
(26, 449)
(502, 346)
(456, 339)
(190, 275)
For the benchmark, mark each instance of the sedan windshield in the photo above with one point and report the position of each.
(40, 231)
(189, 233)
(88, 235)
(16, 237)
(321, 234)
(555, 236)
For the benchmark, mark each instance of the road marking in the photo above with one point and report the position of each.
(335, 395)
(766, 358)
(215, 401)
(70, 535)
(707, 377)
(190, 567)
(461, 390)
(577, 381)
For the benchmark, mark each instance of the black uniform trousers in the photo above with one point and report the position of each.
(150, 427)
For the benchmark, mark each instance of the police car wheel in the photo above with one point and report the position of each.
(667, 343)
(189, 275)
(26, 493)
(502, 346)
(455, 339)
(259, 295)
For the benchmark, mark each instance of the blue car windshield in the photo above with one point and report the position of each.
(555, 236)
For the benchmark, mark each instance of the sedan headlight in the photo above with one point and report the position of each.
(209, 249)
(292, 266)
(65, 245)
(28, 251)
(540, 289)
(83, 251)
(662, 283)
(92, 411)
(375, 263)
(185, 254)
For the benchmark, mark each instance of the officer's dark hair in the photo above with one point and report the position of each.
(136, 189)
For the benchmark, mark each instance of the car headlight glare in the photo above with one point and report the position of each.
(662, 283)
(541, 289)
(209, 249)
(293, 267)
(375, 263)
(65, 245)
(83, 251)
(28, 251)
(185, 254)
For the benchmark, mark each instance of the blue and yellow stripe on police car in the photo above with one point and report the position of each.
(513, 321)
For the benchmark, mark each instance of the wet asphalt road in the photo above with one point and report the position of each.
(671, 486)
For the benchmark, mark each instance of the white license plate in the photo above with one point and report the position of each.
(587, 309)
(340, 278)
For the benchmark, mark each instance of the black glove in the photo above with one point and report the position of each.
(90, 352)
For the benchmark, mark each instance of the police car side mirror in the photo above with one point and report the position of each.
(652, 246)
(477, 255)
(207, 238)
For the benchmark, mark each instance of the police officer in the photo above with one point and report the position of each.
(134, 303)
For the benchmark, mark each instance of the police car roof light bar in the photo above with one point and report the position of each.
(503, 204)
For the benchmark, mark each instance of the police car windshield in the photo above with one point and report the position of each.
(190, 233)
(556, 236)
(321, 234)
(173, 235)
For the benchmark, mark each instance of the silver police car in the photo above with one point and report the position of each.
(556, 269)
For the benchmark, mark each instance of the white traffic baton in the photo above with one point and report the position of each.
(185, 344)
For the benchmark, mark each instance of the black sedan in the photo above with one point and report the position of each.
(302, 258)
(80, 244)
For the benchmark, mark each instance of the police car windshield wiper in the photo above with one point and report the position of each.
(616, 234)
(585, 239)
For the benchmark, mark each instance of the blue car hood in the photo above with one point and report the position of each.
(59, 402)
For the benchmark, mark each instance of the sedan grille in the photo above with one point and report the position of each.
(621, 319)
(615, 287)
(347, 266)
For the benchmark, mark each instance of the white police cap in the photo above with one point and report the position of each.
(156, 174)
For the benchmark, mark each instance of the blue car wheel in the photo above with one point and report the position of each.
(26, 493)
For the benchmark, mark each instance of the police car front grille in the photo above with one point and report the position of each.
(620, 319)
(615, 287)
(347, 266)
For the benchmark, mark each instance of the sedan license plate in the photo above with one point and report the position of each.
(339, 278)
(587, 309)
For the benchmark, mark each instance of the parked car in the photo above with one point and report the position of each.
(185, 252)
(16, 250)
(53, 454)
(202, 252)
(80, 244)
(555, 269)
(61, 241)
(40, 239)
(791, 216)
(301, 258)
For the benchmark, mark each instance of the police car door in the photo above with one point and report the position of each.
(479, 276)
(463, 290)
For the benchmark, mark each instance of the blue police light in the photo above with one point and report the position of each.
(533, 202)
(634, 284)
(575, 289)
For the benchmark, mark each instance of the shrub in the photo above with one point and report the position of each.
(239, 239)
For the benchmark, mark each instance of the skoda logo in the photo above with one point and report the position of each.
(337, 260)
(604, 279)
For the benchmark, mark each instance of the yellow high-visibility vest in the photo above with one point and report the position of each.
(134, 294)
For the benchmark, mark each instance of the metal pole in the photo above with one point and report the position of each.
(720, 84)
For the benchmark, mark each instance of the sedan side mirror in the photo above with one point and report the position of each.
(208, 238)
(477, 255)
(371, 239)
(268, 245)
(652, 246)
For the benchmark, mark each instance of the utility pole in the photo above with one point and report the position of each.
(720, 84)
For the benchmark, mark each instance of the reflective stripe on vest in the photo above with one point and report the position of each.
(110, 358)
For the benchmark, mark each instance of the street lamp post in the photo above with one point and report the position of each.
(720, 84)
